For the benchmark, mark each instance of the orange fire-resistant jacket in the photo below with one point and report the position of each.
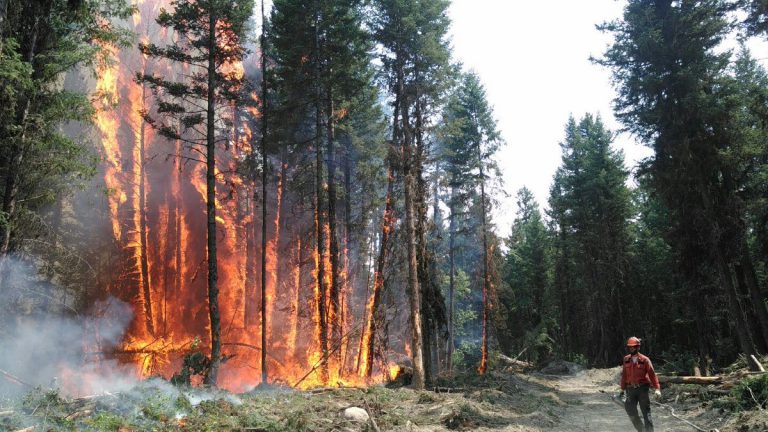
(633, 374)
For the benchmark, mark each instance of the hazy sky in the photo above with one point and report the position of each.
(533, 58)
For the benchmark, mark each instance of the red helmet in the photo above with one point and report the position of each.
(633, 341)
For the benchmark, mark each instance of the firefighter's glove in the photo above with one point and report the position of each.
(621, 395)
(657, 395)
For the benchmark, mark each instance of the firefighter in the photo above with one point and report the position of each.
(637, 378)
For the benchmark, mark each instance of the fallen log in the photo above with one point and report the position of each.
(5, 413)
(508, 361)
(331, 389)
(691, 380)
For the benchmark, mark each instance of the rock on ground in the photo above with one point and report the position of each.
(355, 414)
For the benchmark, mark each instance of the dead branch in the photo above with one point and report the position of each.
(328, 355)
(448, 389)
(757, 403)
(15, 379)
(253, 347)
(330, 389)
(690, 380)
(754, 364)
(370, 416)
(521, 353)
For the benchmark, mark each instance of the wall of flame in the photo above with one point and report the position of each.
(156, 200)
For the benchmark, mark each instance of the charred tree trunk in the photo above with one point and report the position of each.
(414, 290)
(486, 276)
(334, 315)
(433, 304)
(369, 336)
(210, 176)
(451, 280)
(264, 162)
(296, 302)
(429, 298)
(177, 214)
(351, 275)
(146, 287)
(319, 225)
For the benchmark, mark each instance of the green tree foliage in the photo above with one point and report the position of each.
(590, 209)
(470, 140)
(676, 93)
(41, 41)
(757, 16)
(749, 155)
(191, 109)
(325, 97)
(527, 312)
(415, 62)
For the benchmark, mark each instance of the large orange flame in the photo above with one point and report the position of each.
(156, 207)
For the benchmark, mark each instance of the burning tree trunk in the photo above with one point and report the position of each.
(264, 131)
(432, 303)
(369, 335)
(144, 264)
(296, 298)
(414, 291)
(348, 215)
(212, 31)
(210, 177)
(334, 315)
(322, 323)
(320, 295)
(486, 276)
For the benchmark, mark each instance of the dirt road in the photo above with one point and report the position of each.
(590, 408)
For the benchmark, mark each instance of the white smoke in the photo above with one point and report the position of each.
(57, 350)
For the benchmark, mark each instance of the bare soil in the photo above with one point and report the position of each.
(592, 405)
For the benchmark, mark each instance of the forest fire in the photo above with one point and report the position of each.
(156, 195)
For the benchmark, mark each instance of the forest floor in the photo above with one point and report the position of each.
(574, 400)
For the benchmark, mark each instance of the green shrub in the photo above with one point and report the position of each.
(578, 358)
(752, 392)
(105, 421)
(467, 356)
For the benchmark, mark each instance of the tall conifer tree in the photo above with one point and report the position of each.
(212, 32)
(676, 95)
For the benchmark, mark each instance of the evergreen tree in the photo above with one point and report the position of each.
(471, 141)
(526, 297)
(415, 61)
(322, 73)
(212, 32)
(41, 41)
(676, 95)
(590, 208)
